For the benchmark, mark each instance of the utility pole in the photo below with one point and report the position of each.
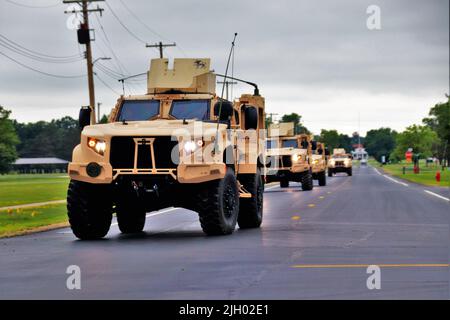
(227, 83)
(161, 47)
(84, 38)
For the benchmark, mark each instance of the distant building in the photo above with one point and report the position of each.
(40, 165)
(360, 154)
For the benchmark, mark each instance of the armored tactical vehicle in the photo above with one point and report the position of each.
(319, 163)
(288, 156)
(177, 145)
(340, 161)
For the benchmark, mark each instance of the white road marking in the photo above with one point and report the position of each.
(396, 181)
(437, 195)
(272, 187)
(153, 214)
(377, 171)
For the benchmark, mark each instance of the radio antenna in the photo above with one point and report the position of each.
(223, 90)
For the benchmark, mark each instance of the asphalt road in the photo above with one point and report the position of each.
(312, 245)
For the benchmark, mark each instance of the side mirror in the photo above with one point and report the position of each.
(327, 152)
(226, 110)
(251, 118)
(313, 145)
(84, 118)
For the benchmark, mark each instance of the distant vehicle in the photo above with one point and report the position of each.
(340, 162)
(288, 157)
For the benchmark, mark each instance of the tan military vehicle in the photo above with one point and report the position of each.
(340, 161)
(319, 163)
(178, 145)
(287, 156)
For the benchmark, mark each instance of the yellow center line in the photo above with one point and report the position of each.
(311, 205)
(401, 265)
(295, 218)
(321, 197)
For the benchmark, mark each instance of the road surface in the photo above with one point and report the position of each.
(312, 245)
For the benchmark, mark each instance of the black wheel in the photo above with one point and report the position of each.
(130, 210)
(218, 205)
(251, 209)
(349, 172)
(284, 183)
(89, 208)
(330, 172)
(322, 178)
(307, 181)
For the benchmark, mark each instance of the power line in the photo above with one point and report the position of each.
(105, 84)
(34, 57)
(32, 6)
(123, 25)
(142, 22)
(39, 71)
(12, 43)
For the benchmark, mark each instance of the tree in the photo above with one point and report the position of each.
(296, 119)
(8, 141)
(48, 139)
(439, 121)
(380, 142)
(420, 138)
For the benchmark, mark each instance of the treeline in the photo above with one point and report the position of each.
(56, 138)
(430, 139)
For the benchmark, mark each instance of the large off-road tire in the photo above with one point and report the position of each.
(284, 183)
(251, 209)
(350, 171)
(89, 208)
(130, 210)
(330, 172)
(322, 177)
(218, 205)
(307, 181)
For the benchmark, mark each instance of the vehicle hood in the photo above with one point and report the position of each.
(152, 128)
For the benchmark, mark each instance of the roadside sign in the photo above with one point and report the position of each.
(408, 156)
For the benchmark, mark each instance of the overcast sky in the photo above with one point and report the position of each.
(316, 58)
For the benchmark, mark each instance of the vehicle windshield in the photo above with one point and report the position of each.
(291, 143)
(190, 109)
(138, 110)
(271, 144)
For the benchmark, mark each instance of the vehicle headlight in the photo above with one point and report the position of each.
(296, 157)
(97, 145)
(332, 162)
(192, 145)
(316, 161)
(346, 161)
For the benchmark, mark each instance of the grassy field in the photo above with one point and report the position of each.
(425, 177)
(29, 188)
(20, 221)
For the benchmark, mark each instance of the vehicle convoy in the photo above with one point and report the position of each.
(319, 163)
(288, 156)
(179, 145)
(340, 161)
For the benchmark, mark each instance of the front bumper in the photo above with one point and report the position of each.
(184, 173)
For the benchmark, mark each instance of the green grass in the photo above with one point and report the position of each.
(19, 221)
(425, 177)
(18, 189)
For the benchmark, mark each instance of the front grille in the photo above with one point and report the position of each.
(287, 161)
(123, 151)
(339, 163)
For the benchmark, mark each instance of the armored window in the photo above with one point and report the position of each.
(190, 109)
(138, 110)
(291, 143)
(271, 144)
